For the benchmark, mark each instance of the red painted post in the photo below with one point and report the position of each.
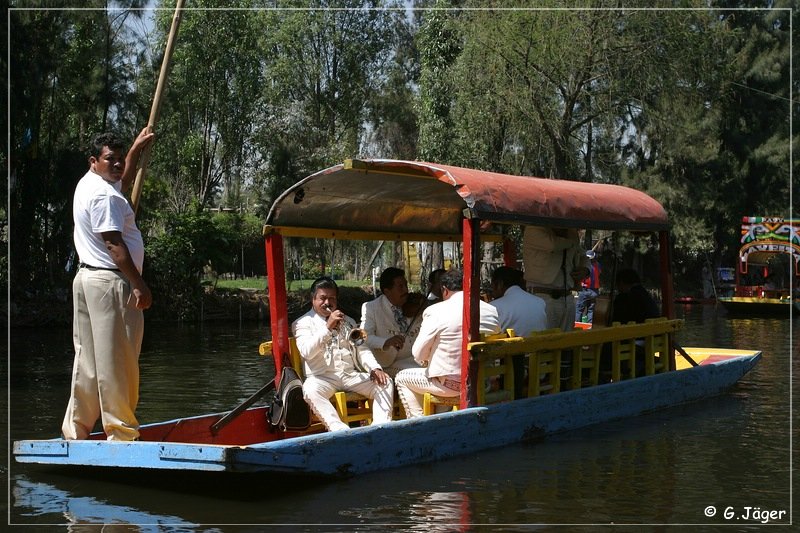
(278, 314)
(509, 253)
(471, 324)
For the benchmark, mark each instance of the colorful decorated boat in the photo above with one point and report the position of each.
(768, 268)
(414, 201)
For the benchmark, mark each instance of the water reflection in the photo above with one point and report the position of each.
(663, 468)
(83, 513)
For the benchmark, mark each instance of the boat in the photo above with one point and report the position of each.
(416, 201)
(764, 278)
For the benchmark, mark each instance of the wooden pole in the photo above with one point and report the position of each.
(156, 107)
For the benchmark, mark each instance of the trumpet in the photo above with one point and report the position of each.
(356, 336)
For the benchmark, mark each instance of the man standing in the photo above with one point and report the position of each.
(109, 295)
(438, 347)
(554, 262)
(333, 363)
(390, 333)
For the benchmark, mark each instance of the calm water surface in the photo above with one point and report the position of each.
(730, 452)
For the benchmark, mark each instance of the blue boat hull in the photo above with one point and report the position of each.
(404, 442)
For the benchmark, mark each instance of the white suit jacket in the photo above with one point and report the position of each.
(377, 319)
(439, 341)
(325, 352)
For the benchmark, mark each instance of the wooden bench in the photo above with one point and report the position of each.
(545, 350)
(492, 372)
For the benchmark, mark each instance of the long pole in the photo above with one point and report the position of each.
(144, 159)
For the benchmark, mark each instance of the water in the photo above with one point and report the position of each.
(731, 452)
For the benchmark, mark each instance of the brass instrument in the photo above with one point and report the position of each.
(356, 336)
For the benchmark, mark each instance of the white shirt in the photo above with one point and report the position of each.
(521, 311)
(98, 207)
(439, 339)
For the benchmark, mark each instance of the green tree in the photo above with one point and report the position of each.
(61, 95)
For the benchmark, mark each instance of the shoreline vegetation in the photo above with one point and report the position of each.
(229, 300)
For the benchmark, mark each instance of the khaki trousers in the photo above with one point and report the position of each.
(107, 332)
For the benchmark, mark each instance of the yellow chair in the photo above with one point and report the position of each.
(655, 350)
(621, 351)
(430, 401)
(351, 407)
(586, 366)
(495, 368)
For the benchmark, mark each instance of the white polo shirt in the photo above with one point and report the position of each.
(99, 206)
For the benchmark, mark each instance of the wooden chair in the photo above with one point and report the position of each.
(655, 350)
(544, 368)
(350, 406)
(586, 366)
(430, 401)
(623, 350)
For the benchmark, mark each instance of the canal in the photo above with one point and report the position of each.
(722, 461)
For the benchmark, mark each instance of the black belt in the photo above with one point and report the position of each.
(90, 267)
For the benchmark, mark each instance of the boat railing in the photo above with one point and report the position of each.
(559, 360)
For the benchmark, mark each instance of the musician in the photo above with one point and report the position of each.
(333, 363)
(391, 330)
(554, 263)
(438, 346)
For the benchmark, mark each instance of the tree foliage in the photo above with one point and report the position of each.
(691, 106)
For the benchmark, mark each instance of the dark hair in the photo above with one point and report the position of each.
(508, 276)
(434, 273)
(453, 280)
(323, 282)
(112, 140)
(628, 276)
(388, 276)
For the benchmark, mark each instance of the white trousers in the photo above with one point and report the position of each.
(401, 364)
(107, 333)
(318, 390)
(412, 384)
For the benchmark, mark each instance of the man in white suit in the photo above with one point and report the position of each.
(333, 363)
(438, 347)
(390, 333)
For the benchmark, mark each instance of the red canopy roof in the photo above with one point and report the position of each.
(418, 197)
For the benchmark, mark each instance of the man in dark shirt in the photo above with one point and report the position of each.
(633, 303)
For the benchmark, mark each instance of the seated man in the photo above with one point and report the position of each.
(333, 363)
(390, 333)
(438, 347)
(519, 310)
(435, 285)
(632, 304)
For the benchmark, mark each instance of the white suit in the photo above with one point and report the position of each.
(439, 346)
(331, 363)
(378, 320)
